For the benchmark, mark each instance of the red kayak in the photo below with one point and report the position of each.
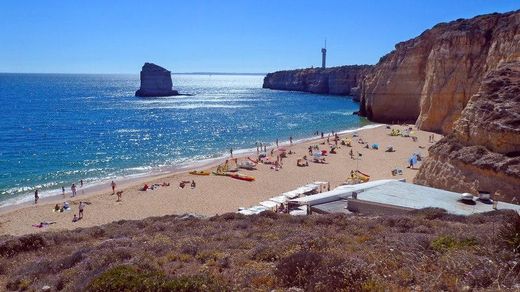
(241, 176)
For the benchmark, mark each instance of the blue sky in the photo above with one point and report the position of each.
(218, 36)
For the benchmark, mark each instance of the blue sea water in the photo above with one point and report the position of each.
(57, 129)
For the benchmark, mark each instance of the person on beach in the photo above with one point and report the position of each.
(63, 191)
(75, 219)
(290, 140)
(81, 183)
(231, 151)
(81, 207)
(119, 195)
(36, 197)
(265, 148)
(73, 189)
(321, 134)
(193, 185)
(276, 142)
(113, 184)
(57, 208)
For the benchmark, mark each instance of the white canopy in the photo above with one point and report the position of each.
(279, 199)
(269, 204)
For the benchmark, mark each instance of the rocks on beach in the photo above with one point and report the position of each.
(155, 81)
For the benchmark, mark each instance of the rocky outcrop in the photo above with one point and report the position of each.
(155, 81)
(483, 150)
(430, 79)
(344, 80)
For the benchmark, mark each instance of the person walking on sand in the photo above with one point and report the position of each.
(81, 207)
(113, 184)
(36, 197)
(73, 189)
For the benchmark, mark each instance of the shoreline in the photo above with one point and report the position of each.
(217, 194)
(53, 195)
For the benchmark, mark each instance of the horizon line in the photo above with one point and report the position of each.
(112, 73)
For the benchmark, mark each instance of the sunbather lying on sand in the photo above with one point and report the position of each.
(44, 224)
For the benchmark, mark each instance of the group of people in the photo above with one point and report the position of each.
(183, 184)
(66, 207)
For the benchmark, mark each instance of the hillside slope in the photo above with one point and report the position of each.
(426, 251)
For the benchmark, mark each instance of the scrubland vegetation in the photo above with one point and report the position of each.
(424, 250)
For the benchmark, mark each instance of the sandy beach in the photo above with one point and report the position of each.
(219, 194)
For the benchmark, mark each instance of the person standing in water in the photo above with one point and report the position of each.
(81, 183)
(231, 151)
(36, 197)
(73, 189)
(290, 139)
(113, 184)
(276, 142)
(63, 191)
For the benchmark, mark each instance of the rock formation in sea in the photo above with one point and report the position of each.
(155, 81)
(344, 80)
(429, 80)
(483, 150)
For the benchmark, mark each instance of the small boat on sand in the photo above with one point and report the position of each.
(199, 172)
(241, 176)
(220, 173)
(247, 165)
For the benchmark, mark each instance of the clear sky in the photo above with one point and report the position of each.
(73, 36)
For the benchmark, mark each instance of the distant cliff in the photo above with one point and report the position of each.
(483, 152)
(430, 79)
(344, 80)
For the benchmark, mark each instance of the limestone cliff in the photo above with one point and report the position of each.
(483, 151)
(155, 81)
(430, 79)
(344, 80)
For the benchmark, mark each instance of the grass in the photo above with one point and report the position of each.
(427, 250)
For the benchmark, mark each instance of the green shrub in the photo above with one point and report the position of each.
(444, 243)
(128, 278)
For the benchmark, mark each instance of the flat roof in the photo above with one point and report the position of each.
(332, 207)
(417, 197)
(338, 193)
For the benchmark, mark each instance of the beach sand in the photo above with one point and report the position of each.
(218, 194)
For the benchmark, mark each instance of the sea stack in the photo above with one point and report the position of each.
(155, 81)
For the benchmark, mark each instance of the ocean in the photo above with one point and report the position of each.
(56, 129)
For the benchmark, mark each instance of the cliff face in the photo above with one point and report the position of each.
(483, 150)
(343, 80)
(430, 79)
(155, 81)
